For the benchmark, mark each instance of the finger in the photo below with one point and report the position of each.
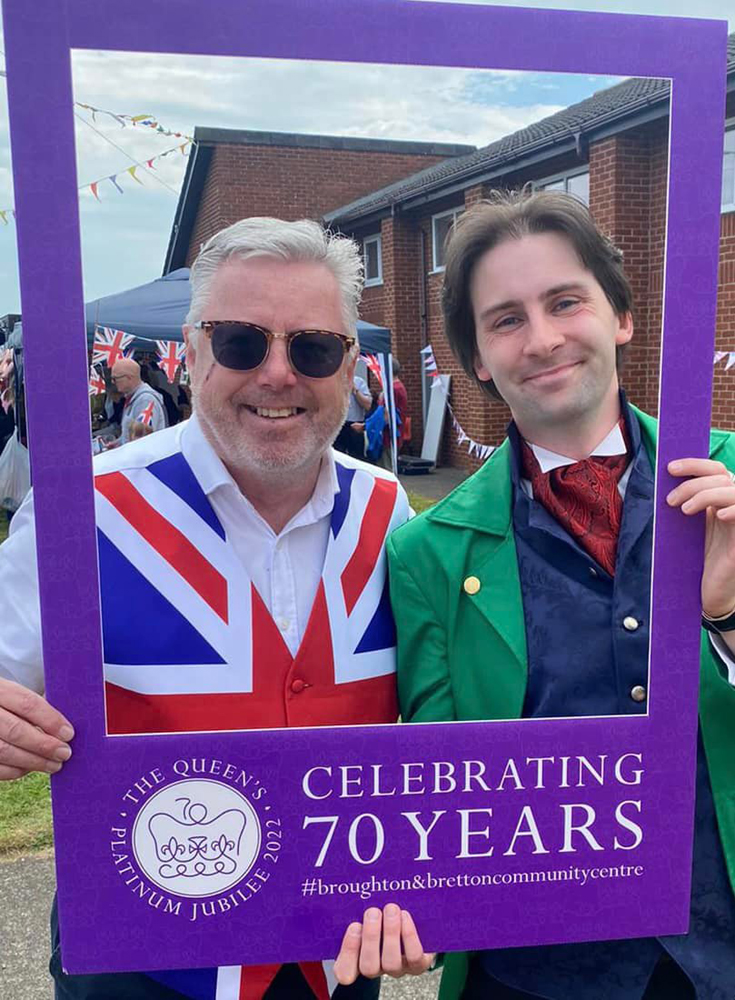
(696, 467)
(417, 961)
(685, 491)
(720, 498)
(370, 949)
(16, 732)
(346, 965)
(11, 773)
(28, 705)
(392, 959)
(15, 757)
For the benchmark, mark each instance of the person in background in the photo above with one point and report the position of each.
(140, 399)
(350, 440)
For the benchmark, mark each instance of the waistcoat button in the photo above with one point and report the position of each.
(471, 585)
(297, 685)
(630, 623)
(638, 693)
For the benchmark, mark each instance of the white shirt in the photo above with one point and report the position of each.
(612, 444)
(355, 412)
(285, 568)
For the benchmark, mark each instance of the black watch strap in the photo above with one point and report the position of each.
(718, 625)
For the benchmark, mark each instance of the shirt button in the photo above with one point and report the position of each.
(471, 585)
(630, 625)
(297, 685)
(638, 693)
(283, 624)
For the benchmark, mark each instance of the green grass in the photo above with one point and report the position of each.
(25, 814)
(3, 526)
(418, 502)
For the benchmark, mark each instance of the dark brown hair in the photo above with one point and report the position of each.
(512, 215)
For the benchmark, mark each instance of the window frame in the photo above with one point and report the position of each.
(727, 207)
(378, 240)
(456, 212)
(564, 175)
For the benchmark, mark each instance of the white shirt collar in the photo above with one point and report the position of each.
(211, 473)
(612, 444)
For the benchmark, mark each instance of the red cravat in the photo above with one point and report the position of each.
(584, 498)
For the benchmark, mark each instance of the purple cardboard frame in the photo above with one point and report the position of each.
(285, 909)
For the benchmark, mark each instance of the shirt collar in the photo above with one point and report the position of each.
(612, 444)
(211, 473)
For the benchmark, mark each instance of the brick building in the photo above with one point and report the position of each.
(610, 150)
(233, 174)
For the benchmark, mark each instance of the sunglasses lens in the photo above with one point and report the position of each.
(315, 354)
(239, 346)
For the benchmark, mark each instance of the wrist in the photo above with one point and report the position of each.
(719, 623)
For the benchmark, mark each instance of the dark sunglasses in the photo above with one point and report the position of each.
(242, 347)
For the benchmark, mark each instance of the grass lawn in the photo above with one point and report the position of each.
(25, 814)
(418, 502)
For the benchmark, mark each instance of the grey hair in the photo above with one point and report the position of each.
(291, 241)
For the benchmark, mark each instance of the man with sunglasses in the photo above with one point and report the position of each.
(271, 348)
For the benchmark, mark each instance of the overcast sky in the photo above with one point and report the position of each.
(124, 236)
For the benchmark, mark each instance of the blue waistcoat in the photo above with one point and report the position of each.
(574, 612)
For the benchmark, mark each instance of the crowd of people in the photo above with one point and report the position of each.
(138, 401)
(525, 593)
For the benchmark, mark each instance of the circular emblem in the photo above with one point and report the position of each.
(196, 837)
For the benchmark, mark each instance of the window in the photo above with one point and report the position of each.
(440, 226)
(373, 259)
(576, 184)
(728, 170)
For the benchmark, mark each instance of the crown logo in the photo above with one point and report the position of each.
(195, 846)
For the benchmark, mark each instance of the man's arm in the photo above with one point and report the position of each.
(361, 393)
(33, 735)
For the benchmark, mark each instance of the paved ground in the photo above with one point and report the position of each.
(26, 888)
(436, 484)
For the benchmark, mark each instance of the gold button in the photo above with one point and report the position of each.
(630, 624)
(638, 693)
(471, 585)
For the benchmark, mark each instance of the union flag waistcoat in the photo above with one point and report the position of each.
(189, 645)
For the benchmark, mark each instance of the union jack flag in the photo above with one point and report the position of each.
(170, 355)
(146, 417)
(236, 982)
(215, 659)
(97, 385)
(373, 365)
(110, 345)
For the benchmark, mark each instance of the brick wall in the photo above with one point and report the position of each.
(291, 182)
(723, 401)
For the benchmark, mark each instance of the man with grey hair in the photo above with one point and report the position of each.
(271, 348)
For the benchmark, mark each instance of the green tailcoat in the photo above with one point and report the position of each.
(463, 657)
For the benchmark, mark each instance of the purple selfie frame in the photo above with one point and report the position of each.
(107, 924)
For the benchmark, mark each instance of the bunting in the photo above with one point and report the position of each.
(144, 121)
(94, 186)
(474, 448)
(171, 356)
(722, 355)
